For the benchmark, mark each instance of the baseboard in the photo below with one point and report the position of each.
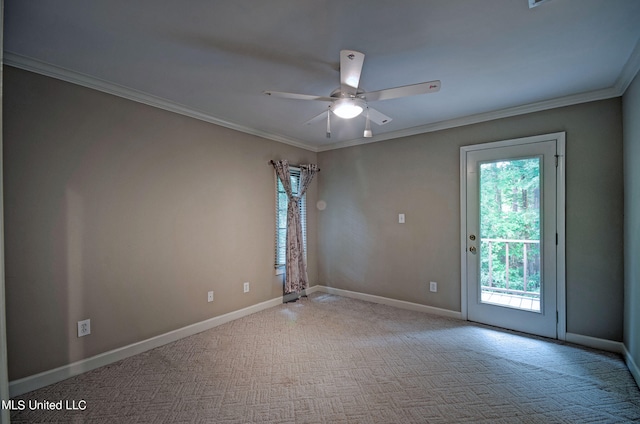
(37, 381)
(391, 302)
(588, 341)
(631, 364)
(596, 343)
(310, 290)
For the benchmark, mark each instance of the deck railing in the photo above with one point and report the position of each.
(490, 243)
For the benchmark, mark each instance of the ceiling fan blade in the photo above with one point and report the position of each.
(317, 118)
(407, 90)
(295, 96)
(378, 117)
(350, 69)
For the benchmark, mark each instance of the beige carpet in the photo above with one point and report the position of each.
(329, 359)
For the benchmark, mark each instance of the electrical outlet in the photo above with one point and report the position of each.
(246, 287)
(210, 296)
(84, 328)
(433, 286)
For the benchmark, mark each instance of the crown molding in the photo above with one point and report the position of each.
(627, 75)
(591, 96)
(53, 71)
(630, 70)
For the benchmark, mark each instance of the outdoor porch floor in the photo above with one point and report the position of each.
(510, 300)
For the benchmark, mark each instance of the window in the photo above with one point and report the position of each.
(282, 201)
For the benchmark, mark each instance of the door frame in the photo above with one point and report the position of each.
(561, 296)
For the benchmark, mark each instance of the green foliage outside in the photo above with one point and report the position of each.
(510, 209)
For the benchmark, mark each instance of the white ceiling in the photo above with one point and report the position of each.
(213, 59)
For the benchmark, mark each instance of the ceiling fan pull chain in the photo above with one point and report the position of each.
(367, 127)
(328, 123)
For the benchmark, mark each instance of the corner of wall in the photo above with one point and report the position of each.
(631, 154)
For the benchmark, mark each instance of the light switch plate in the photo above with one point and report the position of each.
(401, 218)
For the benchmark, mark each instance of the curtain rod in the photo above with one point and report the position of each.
(295, 166)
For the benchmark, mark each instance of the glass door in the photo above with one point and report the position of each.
(510, 236)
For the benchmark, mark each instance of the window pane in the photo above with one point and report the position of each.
(282, 237)
(510, 233)
(281, 218)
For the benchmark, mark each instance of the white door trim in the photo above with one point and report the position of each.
(560, 138)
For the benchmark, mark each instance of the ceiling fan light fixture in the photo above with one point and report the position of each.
(348, 108)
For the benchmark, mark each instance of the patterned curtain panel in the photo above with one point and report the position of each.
(296, 278)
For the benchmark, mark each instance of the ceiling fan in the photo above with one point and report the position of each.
(349, 101)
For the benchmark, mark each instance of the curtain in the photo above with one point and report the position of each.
(296, 278)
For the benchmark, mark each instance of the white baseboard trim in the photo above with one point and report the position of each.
(596, 343)
(588, 341)
(631, 364)
(310, 290)
(390, 302)
(37, 381)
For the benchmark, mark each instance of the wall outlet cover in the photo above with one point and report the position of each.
(246, 287)
(210, 296)
(433, 286)
(84, 328)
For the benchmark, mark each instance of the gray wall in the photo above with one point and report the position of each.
(127, 215)
(631, 108)
(361, 247)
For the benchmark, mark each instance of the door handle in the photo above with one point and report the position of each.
(472, 249)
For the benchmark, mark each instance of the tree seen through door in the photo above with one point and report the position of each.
(510, 208)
